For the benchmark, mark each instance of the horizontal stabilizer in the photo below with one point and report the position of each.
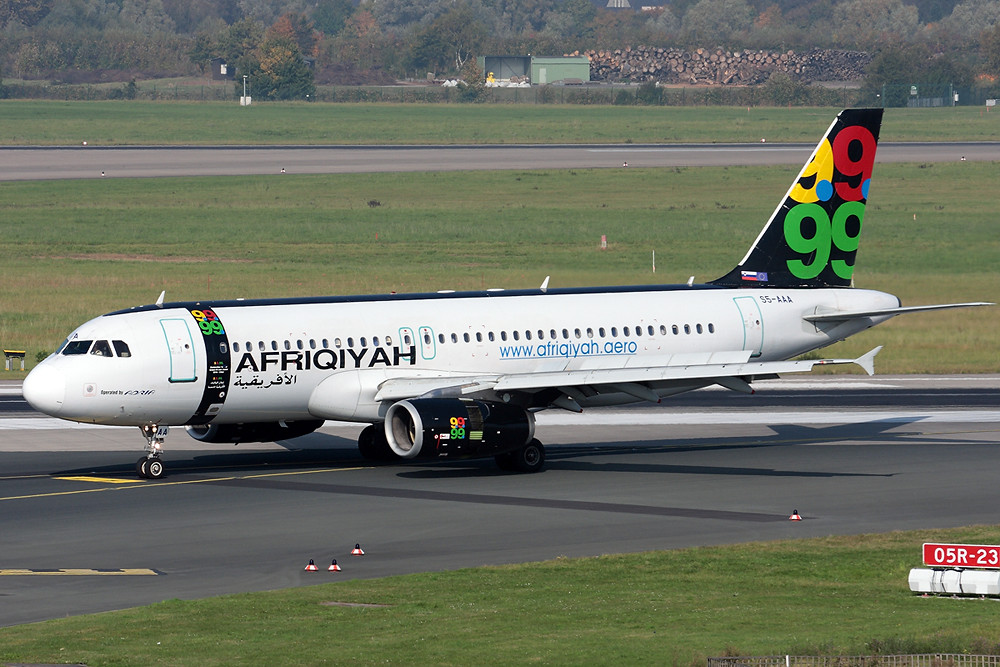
(843, 316)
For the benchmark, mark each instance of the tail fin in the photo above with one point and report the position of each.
(812, 237)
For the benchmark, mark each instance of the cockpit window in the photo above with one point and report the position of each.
(77, 347)
(121, 348)
(101, 349)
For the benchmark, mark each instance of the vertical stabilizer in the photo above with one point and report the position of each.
(812, 237)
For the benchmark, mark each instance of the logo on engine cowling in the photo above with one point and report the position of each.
(327, 359)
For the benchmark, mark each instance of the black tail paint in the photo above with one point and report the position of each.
(812, 237)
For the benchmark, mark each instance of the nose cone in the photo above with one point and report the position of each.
(45, 389)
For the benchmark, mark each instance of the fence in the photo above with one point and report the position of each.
(910, 660)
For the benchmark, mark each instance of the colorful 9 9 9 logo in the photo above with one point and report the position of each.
(830, 193)
(208, 322)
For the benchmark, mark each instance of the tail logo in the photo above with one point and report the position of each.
(829, 204)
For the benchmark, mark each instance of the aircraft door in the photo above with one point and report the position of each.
(753, 324)
(181, 347)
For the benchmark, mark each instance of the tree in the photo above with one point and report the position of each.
(972, 17)
(864, 23)
(330, 16)
(279, 73)
(449, 41)
(717, 21)
(25, 12)
(989, 45)
(298, 28)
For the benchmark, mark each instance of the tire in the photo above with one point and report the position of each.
(373, 446)
(155, 469)
(139, 467)
(530, 458)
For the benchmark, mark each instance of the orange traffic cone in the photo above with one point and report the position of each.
(357, 551)
(311, 567)
(333, 566)
(795, 516)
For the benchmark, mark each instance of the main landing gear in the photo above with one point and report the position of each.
(529, 458)
(151, 466)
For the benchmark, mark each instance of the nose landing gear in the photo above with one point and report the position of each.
(151, 466)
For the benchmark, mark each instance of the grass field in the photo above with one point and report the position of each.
(163, 123)
(75, 249)
(836, 595)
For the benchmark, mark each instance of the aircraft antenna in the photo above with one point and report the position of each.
(159, 300)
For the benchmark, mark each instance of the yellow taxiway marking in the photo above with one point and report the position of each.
(81, 572)
(143, 484)
(100, 480)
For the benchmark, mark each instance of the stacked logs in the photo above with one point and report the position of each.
(721, 67)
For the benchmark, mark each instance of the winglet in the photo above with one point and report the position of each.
(867, 360)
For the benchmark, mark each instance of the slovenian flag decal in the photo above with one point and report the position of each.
(754, 276)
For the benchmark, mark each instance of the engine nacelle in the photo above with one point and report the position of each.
(253, 431)
(456, 428)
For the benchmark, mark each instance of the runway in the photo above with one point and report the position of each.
(45, 163)
(852, 454)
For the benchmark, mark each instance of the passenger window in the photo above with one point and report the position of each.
(565, 333)
(388, 340)
(441, 338)
(614, 332)
(223, 348)
(406, 339)
(479, 337)
(711, 328)
(687, 328)
(625, 331)
(601, 332)
(338, 343)
(576, 332)
(491, 336)
(299, 344)
(675, 329)
(121, 348)
(274, 345)
(590, 332)
(77, 347)
(364, 342)
(350, 341)
(101, 349)
(236, 347)
(552, 334)
(527, 335)
(663, 330)
(466, 337)
(516, 334)
(454, 338)
(649, 329)
(312, 344)
(288, 345)
(698, 328)
(503, 335)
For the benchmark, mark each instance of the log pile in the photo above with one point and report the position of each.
(721, 67)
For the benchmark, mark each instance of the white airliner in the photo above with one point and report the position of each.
(461, 374)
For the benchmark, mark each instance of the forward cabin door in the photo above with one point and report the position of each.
(181, 348)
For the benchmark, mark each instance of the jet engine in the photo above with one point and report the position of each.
(456, 428)
(253, 431)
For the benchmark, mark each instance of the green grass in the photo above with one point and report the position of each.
(165, 123)
(835, 595)
(75, 249)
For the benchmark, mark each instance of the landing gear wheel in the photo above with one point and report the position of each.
(373, 446)
(139, 465)
(155, 469)
(530, 458)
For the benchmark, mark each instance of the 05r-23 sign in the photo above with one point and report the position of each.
(962, 555)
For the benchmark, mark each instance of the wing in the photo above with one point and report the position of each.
(570, 388)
